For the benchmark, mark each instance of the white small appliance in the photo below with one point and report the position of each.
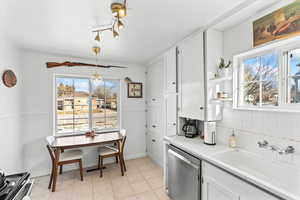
(209, 132)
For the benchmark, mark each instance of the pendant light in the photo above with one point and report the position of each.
(120, 24)
(97, 38)
(115, 33)
(96, 76)
(118, 8)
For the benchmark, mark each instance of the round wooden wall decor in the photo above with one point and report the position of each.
(9, 78)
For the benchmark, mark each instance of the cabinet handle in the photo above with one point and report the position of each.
(153, 99)
(153, 140)
(174, 124)
(153, 126)
(201, 108)
(173, 83)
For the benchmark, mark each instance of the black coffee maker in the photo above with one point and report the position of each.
(190, 128)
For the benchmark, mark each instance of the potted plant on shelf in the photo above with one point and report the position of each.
(224, 69)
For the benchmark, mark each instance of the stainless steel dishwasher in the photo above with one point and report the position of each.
(184, 175)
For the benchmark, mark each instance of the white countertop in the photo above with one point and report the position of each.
(289, 190)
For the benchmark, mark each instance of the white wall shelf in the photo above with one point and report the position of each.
(221, 99)
(220, 79)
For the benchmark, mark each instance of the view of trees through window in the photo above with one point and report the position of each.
(84, 105)
(104, 104)
(260, 80)
(294, 76)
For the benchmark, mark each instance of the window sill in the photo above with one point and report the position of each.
(280, 110)
(83, 133)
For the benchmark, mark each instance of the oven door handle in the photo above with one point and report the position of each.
(25, 191)
(183, 159)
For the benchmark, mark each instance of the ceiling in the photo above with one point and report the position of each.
(64, 26)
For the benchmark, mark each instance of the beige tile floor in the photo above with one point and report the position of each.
(142, 181)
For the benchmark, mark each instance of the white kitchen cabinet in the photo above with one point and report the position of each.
(171, 114)
(170, 71)
(149, 143)
(214, 191)
(155, 147)
(154, 117)
(155, 82)
(155, 108)
(157, 142)
(198, 59)
(192, 78)
(220, 185)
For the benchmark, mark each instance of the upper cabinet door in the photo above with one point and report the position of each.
(155, 82)
(171, 71)
(192, 78)
(171, 114)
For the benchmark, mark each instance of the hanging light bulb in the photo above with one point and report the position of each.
(97, 38)
(120, 24)
(96, 50)
(118, 8)
(96, 76)
(122, 12)
(115, 34)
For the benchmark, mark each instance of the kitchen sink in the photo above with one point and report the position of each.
(261, 170)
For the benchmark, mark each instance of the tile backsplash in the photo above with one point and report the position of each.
(278, 128)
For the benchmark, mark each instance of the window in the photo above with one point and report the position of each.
(82, 104)
(293, 73)
(259, 80)
(268, 78)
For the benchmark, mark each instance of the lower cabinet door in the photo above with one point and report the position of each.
(157, 146)
(214, 191)
(149, 144)
(220, 185)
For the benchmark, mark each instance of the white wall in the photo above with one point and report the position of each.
(10, 114)
(37, 108)
(252, 126)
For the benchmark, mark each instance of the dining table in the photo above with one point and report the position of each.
(62, 143)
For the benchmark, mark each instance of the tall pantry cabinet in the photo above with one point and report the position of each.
(154, 136)
(161, 103)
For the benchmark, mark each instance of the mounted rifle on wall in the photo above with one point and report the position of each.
(78, 64)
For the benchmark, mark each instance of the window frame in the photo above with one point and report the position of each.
(282, 49)
(90, 119)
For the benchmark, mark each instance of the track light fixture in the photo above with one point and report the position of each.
(97, 38)
(115, 34)
(119, 11)
(120, 24)
(118, 8)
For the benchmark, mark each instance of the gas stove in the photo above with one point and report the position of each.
(15, 187)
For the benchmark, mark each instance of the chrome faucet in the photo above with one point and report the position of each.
(263, 144)
(276, 148)
(288, 150)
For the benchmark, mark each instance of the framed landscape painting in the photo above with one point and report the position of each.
(280, 24)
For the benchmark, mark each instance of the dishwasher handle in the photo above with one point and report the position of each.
(187, 161)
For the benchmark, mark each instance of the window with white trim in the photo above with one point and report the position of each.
(82, 104)
(293, 77)
(268, 78)
(259, 80)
